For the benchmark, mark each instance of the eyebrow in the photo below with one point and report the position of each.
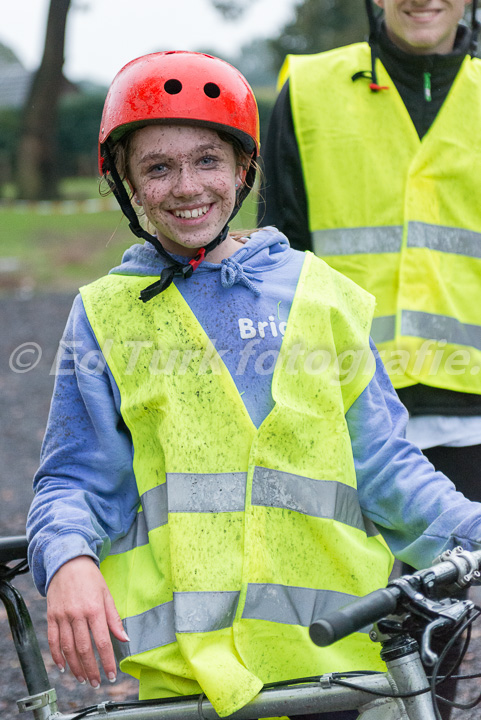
(154, 155)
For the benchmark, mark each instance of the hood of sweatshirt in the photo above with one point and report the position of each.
(265, 250)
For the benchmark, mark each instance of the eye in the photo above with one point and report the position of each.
(159, 168)
(208, 160)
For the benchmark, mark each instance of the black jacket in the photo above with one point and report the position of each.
(283, 197)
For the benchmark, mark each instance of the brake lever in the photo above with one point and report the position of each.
(439, 614)
(430, 609)
(449, 617)
(428, 656)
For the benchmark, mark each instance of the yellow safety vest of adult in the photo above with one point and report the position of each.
(397, 215)
(244, 535)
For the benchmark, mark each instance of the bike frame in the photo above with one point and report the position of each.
(405, 674)
(320, 697)
(375, 696)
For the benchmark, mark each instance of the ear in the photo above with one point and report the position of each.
(240, 176)
(133, 191)
(380, 3)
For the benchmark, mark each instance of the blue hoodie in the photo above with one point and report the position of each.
(85, 491)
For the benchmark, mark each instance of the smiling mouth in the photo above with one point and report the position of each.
(192, 213)
(423, 14)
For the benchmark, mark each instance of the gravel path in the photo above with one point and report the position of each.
(30, 331)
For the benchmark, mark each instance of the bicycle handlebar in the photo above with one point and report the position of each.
(461, 568)
(354, 617)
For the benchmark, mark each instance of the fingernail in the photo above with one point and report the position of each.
(81, 680)
(112, 677)
(95, 684)
(61, 668)
(126, 637)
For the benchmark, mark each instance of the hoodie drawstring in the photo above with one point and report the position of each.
(233, 272)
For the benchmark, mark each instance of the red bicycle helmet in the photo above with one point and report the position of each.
(177, 87)
(180, 86)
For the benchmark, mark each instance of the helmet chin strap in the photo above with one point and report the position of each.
(174, 268)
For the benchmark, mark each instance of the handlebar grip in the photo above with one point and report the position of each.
(354, 617)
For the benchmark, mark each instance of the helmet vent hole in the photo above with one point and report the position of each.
(173, 87)
(212, 90)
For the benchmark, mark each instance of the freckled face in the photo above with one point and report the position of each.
(423, 27)
(185, 179)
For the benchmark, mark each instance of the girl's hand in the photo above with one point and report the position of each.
(80, 609)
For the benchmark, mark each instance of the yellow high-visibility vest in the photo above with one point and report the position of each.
(244, 535)
(398, 215)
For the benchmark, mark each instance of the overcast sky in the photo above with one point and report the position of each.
(103, 35)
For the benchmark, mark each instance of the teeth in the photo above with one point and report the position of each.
(196, 212)
(422, 13)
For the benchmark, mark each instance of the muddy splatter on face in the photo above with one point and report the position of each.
(185, 179)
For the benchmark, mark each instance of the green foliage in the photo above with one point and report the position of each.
(9, 135)
(255, 61)
(78, 131)
(9, 130)
(231, 9)
(77, 135)
(320, 25)
(266, 97)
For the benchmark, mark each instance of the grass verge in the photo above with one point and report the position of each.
(58, 253)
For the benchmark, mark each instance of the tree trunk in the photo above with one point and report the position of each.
(37, 166)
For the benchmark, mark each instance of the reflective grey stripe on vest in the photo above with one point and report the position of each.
(206, 493)
(151, 629)
(440, 327)
(225, 492)
(352, 241)
(183, 492)
(292, 605)
(152, 515)
(383, 328)
(317, 498)
(195, 612)
(204, 611)
(445, 239)
(189, 612)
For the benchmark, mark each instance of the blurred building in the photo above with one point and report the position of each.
(15, 80)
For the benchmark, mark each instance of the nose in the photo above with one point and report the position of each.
(186, 182)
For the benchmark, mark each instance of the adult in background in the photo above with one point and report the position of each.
(377, 171)
(373, 161)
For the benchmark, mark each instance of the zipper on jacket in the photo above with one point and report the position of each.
(427, 86)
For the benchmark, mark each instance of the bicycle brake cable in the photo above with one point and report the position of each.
(475, 613)
(378, 693)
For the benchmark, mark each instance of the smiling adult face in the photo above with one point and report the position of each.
(423, 27)
(185, 178)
